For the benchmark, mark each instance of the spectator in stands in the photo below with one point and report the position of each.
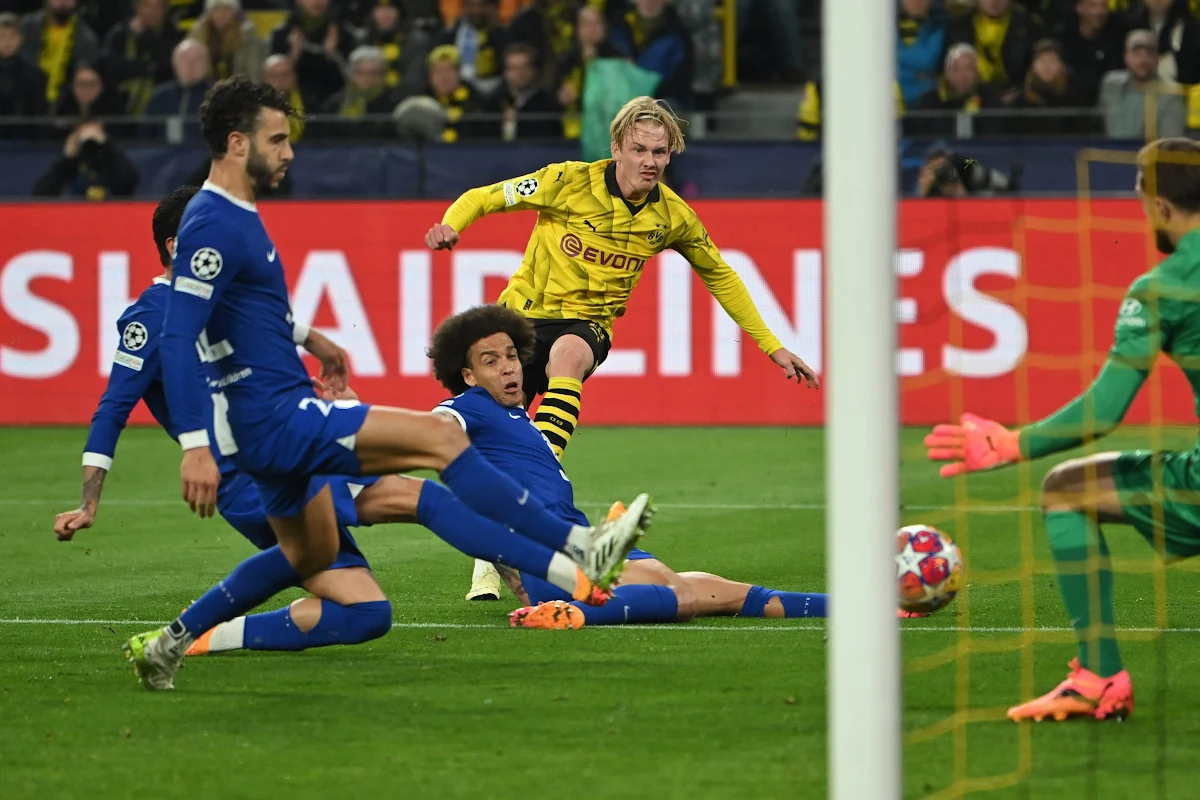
(700, 20)
(57, 39)
(91, 166)
(318, 44)
(521, 97)
(920, 49)
(480, 42)
(234, 47)
(1123, 93)
(186, 12)
(1093, 44)
(591, 41)
(652, 34)
(1178, 34)
(405, 46)
(22, 85)
(180, 98)
(366, 92)
(137, 53)
(1003, 35)
(279, 73)
(548, 26)
(1050, 85)
(88, 97)
(454, 94)
(960, 89)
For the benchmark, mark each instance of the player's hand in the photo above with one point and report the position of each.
(200, 478)
(326, 393)
(66, 523)
(335, 363)
(794, 367)
(974, 444)
(441, 237)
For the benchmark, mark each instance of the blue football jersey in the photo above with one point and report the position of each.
(229, 308)
(136, 374)
(508, 439)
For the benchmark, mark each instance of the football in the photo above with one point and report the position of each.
(929, 569)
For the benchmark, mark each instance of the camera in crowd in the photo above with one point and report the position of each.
(946, 173)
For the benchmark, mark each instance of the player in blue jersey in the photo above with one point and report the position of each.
(348, 606)
(477, 356)
(229, 305)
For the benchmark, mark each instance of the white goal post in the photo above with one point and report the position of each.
(858, 41)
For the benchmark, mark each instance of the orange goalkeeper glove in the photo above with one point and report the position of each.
(973, 445)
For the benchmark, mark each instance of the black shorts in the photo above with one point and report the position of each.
(548, 331)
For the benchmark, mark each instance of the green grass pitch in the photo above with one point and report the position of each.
(452, 703)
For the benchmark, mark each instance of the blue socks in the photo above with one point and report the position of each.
(479, 537)
(489, 492)
(633, 604)
(339, 624)
(257, 579)
(795, 604)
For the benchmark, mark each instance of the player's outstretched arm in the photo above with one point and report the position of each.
(693, 243)
(539, 191)
(135, 365)
(979, 444)
(207, 256)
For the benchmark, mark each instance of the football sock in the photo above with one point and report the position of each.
(631, 604)
(558, 413)
(795, 604)
(489, 492)
(258, 578)
(479, 537)
(1086, 581)
(275, 630)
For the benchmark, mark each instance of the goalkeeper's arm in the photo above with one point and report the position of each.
(1090, 416)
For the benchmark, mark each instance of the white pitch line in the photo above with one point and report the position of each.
(907, 628)
(981, 508)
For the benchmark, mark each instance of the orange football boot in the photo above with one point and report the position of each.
(200, 646)
(615, 511)
(902, 614)
(1082, 694)
(588, 592)
(555, 615)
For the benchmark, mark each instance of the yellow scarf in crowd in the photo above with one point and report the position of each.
(989, 39)
(58, 42)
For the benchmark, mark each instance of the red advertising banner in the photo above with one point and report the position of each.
(1006, 306)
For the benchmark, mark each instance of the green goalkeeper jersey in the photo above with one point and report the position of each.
(1160, 314)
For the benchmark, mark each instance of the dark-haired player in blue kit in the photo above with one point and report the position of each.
(348, 606)
(477, 355)
(229, 305)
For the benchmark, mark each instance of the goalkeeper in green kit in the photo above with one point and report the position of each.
(1158, 493)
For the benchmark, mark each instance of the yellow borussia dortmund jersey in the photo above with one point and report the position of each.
(590, 245)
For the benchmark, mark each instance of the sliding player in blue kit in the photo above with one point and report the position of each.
(229, 304)
(348, 606)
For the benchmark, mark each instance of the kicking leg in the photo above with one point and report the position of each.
(1076, 497)
(721, 597)
(347, 607)
(393, 440)
(649, 592)
(395, 498)
(571, 360)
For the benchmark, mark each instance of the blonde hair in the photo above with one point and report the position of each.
(648, 110)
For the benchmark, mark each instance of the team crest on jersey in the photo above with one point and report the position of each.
(527, 187)
(135, 336)
(656, 237)
(206, 263)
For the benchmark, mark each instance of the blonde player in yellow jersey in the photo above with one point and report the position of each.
(598, 225)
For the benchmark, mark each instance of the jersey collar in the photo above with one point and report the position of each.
(160, 279)
(209, 186)
(610, 181)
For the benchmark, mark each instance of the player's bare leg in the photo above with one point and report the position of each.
(571, 360)
(310, 539)
(397, 498)
(394, 440)
(1077, 496)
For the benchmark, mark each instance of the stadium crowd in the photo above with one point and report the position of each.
(520, 65)
(1120, 61)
